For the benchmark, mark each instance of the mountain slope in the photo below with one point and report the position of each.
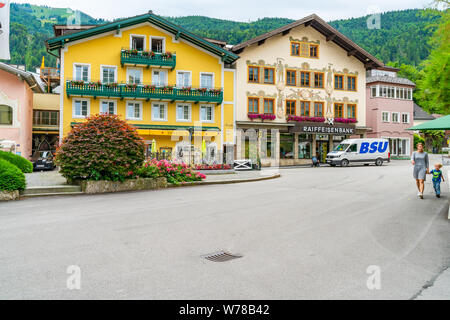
(403, 36)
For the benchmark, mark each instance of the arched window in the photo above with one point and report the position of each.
(6, 115)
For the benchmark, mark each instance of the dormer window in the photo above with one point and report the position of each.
(137, 43)
(157, 44)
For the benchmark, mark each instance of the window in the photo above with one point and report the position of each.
(305, 80)
(183, 79)
(339, 82)
(353, 148)
(318, 109)
(253, 105)
(304, 146)
(286, 146)
(81, 72)
(304, 108)
(6, 115)
(134, 110)
(318, 80)
(184, 112)
(384, 91)
(385, 116)
(374, 92)
(268, 106)
(80, 108)
(46, 118)
(107, 107)
(291, 78)
(159, 111)
(138, 43)
(157, 45)
(207, 113)
(405, 117)
(351, 83)
(391, 92)
(395, 117)
(253, 74)
(206, 80)
(338, 110)
(134, 76)
(290, 107)
(159, 78)
(108, 74)
(410, 94)
(304, 49)
(351, 111)
(313, 51)
(269, 75)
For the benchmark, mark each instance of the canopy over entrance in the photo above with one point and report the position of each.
(438, 124)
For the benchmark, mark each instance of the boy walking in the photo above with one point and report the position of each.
(438, 176)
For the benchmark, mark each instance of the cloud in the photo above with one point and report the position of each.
(239, 10)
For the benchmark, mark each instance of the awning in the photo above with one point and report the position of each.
(438, 124)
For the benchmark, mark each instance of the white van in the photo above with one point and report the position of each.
(364, 151)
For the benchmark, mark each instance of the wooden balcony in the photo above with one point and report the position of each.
(148, 59)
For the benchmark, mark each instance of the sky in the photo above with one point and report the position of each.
(237, 10)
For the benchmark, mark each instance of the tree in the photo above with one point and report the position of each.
(434, 87)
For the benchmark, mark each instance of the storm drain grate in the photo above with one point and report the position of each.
(221, 257)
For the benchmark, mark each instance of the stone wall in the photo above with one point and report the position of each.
(9, 195)
(97, 187)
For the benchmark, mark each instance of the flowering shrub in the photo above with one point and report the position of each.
(302, 119)
(102, 148)
(175, 173)
(213, 167)
(262, 116)
(342, 120)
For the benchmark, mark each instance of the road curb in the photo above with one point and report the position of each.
(206, 183)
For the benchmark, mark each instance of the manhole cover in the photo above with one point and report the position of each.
(221, 257)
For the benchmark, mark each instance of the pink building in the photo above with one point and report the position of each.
(16, 109)
(390, 109)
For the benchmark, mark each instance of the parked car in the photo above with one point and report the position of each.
(362, 151)
(44, 161)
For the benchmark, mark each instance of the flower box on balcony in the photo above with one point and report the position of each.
(262, 116)
(305, 119)
(342, 120)
(148, 58)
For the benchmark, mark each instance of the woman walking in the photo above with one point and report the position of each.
(421, 168)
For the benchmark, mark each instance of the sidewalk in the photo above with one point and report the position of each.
(439, 289)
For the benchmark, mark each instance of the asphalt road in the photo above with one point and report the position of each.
(312, 234)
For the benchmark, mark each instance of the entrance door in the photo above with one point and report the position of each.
(322, 151)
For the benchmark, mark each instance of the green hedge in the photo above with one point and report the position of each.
(11, 178)
(20, 162)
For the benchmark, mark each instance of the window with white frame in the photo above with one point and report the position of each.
(81, 72)
(108, 107)
(385, 116)
(134, 110)
(395, 117)
(159, 111)
(184, 112)
(134, 76)
(405, 117)
(138, 42)
(81, 108)
(374, 92)
(108, 74)
(183, 79)
(206, 113)
(207, 80)
(157, 44)
(159, 78)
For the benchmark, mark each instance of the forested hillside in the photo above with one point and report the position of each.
(403, 36)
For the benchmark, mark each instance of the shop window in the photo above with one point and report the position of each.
(286, 146)
(304, 146)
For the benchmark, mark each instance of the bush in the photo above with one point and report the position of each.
(175, 173)
(23, 164)
(102, 148)
(11, 178)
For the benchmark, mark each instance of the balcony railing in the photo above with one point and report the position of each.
(147, 92)
(148, 58)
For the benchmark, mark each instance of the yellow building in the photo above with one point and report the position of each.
(173, 86)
